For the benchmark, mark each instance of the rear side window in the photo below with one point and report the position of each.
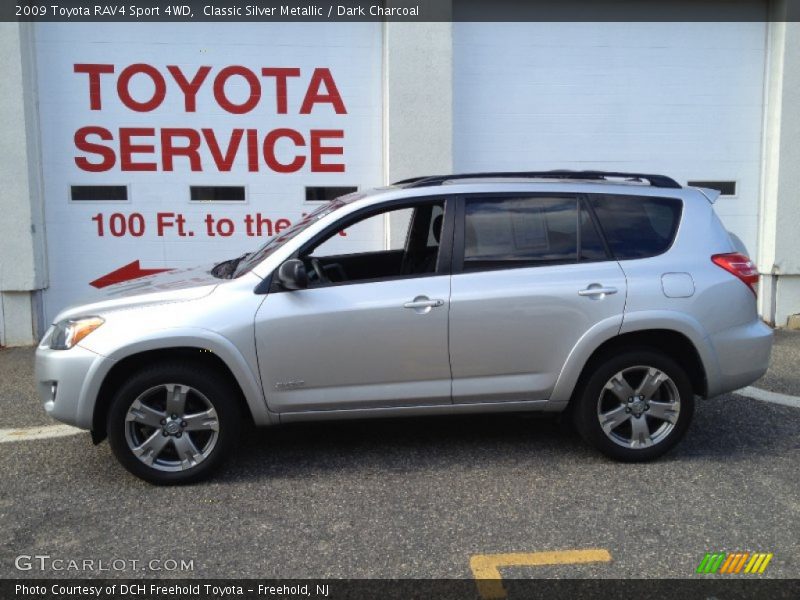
(514, 232)
(637, 226)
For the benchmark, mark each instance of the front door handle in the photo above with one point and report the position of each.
(423, 304)
(596, 289)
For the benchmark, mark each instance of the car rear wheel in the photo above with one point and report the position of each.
(173, 423)
(635, 406)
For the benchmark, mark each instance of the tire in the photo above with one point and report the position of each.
(640, 416)
(173, 423)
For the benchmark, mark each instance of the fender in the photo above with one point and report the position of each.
(191, 337)
(634, 321)
(598, 334)
(688, 326)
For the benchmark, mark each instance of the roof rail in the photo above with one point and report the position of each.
(660, 181)
(411, 180)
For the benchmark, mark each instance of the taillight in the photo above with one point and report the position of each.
(739, 265)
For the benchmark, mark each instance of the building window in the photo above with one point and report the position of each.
(217, 193)
(98, 193)
(327, 193)
(725, 188)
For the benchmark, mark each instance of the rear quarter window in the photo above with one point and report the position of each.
(637, 226)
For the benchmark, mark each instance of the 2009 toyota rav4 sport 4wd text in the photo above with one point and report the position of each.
(615, 297)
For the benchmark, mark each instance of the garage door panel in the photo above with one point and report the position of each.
(685, 99)
(77, 252)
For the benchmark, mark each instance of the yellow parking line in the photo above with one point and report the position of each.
(486, 567)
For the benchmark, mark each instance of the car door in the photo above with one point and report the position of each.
(374, 337)
(531, 276)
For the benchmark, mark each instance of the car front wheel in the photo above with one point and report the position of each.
(635, 406)
(173, 423)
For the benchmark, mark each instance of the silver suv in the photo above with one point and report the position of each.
(613, 297)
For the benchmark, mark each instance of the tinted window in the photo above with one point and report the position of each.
(637, 226)
(520, 231)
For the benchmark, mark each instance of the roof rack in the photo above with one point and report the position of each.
(659, 181)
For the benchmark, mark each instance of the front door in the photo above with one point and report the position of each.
(370, 331)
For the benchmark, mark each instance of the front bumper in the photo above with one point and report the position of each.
(68, 382)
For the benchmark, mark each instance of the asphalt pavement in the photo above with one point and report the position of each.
(412, 498)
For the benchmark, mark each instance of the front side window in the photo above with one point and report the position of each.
(509, 232)
(236, 267)
(394, 243)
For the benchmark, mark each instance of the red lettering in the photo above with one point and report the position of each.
(189, 88)
(126, 149)
(224, 163)
(123, 84)
(252, 150)
(107, 154)
(190, 151)
(318, 151)
(269, 150)
(313, 95)
(281, 94)
(252, 81)
(94, 72)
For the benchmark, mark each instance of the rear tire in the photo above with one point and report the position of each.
(173, 423)
(635, 406)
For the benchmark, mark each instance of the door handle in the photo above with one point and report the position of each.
(597, 290)
(423, 302)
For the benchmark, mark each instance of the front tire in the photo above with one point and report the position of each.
(173, 423)
(635, 406)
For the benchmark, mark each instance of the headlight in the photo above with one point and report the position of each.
(69, 332)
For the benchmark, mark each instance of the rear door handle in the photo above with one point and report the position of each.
(597, 290)
(419, 303)
(423, 305)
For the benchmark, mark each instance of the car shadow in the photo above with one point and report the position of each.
(397, 445)
(724, 429)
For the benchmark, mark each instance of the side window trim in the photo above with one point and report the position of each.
(587, 206)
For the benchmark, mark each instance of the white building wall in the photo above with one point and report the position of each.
(779, 252)
(22, 266)
(418, 104)
(682, 99)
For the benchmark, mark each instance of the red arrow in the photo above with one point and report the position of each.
(130, 271)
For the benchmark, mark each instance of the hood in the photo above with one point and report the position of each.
(172, 286)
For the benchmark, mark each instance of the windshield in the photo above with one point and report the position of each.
(236, 267)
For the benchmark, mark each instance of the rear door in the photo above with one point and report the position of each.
(531, 275)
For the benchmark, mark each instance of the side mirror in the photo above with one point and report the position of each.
(292, 275)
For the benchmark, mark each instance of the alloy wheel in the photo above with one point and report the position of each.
(171, 427)
(638, 407)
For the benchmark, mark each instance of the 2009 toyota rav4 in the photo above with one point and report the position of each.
(616, 297)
